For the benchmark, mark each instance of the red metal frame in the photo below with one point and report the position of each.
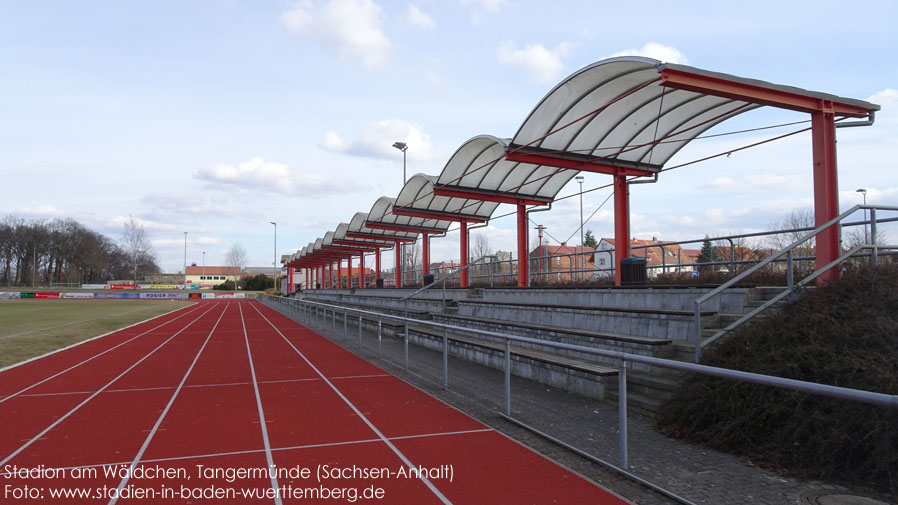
(398, 266)
(403, 228)
(464, 253)
(621, 224)
(523, 253)
(488, 196)
(425, 256)
(446, 216)
(823, 140)
(377, 263)
(585, 165)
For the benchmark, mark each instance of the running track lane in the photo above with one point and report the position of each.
(217, 388)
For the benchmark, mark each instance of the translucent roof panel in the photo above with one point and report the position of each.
(343, 228)
(381, 214)
(357, 225)
(480, 164)
(417, 195)
(617, 109)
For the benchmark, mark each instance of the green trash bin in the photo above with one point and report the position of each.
(633, 271)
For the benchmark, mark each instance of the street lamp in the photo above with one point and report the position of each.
(204, 265)
(274, 262)
(582, 258)
(864, 192)
(402, 146)
(185, 258)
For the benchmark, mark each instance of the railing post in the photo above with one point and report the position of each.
(405, 344)
(622, 412)
(697, 339)
(360, 331)
(874, 260)
(507, 377)
(345, 331)
(732, 257)
(445, 359)
(379, 345)
(790, 275)
(334, 322)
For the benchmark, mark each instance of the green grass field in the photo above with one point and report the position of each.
(30, 328)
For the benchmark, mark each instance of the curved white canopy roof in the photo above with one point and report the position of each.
(381, 215)
(480, 165)
(417, 196)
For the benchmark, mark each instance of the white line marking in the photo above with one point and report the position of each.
(359, 413)
(160, 388)
(76, 344)
(63, 418)
(146, 442)
(275, 449)
(252, 369)
(2, 337)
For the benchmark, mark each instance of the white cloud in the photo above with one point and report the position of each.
(377, 140)
(46, 210)
(478, 7)
(887, 96)
(209, 241)
(416, 17)
(720, 183)
(258, 174)
(667, 54)
(120, 221)
(542, 64)
(776, 181)
(434, 79)
(351, 28)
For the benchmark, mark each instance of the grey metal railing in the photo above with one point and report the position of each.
(316, 313)
(791, 285)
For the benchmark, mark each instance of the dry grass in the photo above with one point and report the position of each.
(30, 328)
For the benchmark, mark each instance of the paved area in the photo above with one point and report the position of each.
(697, 474)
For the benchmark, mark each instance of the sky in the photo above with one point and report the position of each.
(217, 118)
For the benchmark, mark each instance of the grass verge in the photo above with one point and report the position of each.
(30, 328)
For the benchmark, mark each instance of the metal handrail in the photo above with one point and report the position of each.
(787, 251)
(446, 278)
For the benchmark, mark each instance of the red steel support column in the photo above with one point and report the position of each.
(377, 262)
(464, 253)
(290, 279)
(349, 272)
(339, 273)
(621, 224)
(425, 256)
(826, 190)
(398, 267)
(361, 270)
(523, 254)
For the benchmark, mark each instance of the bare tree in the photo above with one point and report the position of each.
(481, 246)
(140, 254)
(794, 220)
(236, 259)
(412, 258)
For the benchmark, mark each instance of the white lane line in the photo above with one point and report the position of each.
(256, 451)
(2, 337)
(376, 431)
(160, 388)
(252, 369)
(146, 442)
(91, 397)
(92, 357)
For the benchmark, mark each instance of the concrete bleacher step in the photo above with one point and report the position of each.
(536, 355)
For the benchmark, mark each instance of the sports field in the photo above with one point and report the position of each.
(30, 328)
(229, 403)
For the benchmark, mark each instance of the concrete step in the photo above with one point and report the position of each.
(638, 403)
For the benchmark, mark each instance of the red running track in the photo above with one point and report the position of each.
(230, 403)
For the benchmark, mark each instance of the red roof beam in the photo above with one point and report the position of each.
(373, 236)
(489, 196)
(431, 214)
(402, 227)
(596, 165)
(763, 93)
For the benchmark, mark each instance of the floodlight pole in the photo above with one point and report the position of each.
(185, 258)
(274, 259)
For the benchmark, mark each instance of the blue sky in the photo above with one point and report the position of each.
(217, 117)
